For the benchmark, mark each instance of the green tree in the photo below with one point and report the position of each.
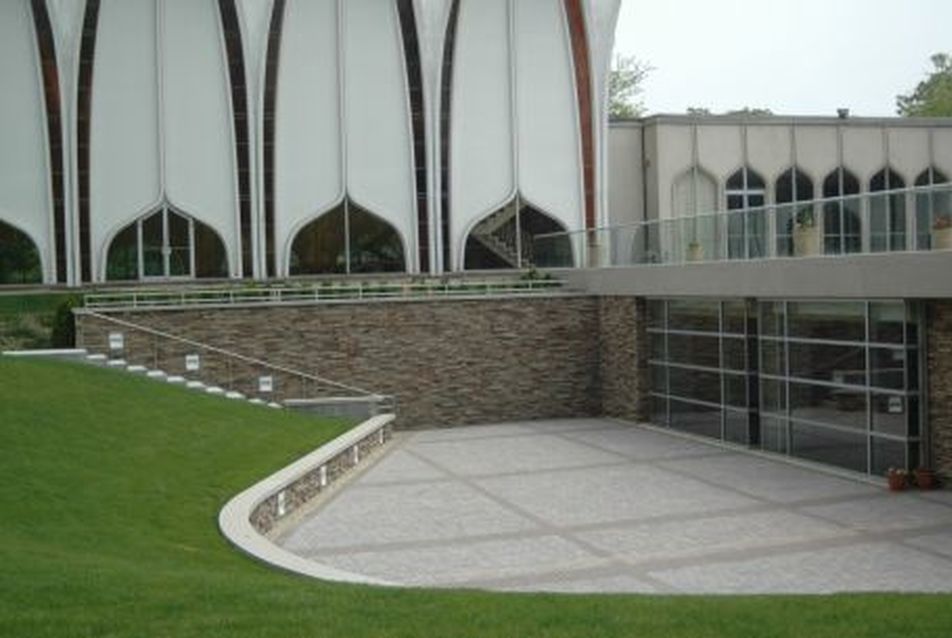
(624, 87)
(933, 96)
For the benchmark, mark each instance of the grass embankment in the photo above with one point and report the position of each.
(26, 320)
(109, 490)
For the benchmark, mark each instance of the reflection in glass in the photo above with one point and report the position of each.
(793, 187)
(506, 239)
(933, 209)
(887, 213)
(702, 420)
(834, 321)
(826, 404)
(841, 219)
(833, 447)
(698, 315)
(746, 231)
(19, 258)
(122, 263)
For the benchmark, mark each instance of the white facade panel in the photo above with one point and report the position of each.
(942, 151)
(720, 150)
(675, 156)
(200, 164)
(817, 150)
(482, 156)
(864, 152)
(309, 177)
(380, 168)
(769, 149)
(124, 146)
(549, 142)
(24, 183)
(626, 176)
(909, 152)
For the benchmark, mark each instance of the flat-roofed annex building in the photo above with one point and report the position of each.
(182, 139)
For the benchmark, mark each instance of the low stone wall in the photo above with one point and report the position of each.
(939, 362)
(339, 458)
(446, 362)
(250, 516)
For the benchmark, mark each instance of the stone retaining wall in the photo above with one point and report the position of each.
(447, 362)
(939, 362)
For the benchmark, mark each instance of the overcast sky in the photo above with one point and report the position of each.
(797, 57)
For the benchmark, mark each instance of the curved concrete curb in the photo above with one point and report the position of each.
(234, 520)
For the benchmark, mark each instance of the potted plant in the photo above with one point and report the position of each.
(942, 232)
(898, 479)
(806, 234)
(695, 251)
(925, 478)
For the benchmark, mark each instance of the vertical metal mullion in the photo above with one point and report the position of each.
(141, 250)
(166, 248)
(191, 247)
(667, 368)
(752, 347)
(347, 255)
(869, 390)
(722, 367)
(786, 381)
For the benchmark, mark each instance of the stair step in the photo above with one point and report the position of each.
(275, 406)
(116, 363)
(97, 359)
(137, 369)
(215, 391)
(195, 385)
(157, 374)
(256, 402)
(235, 396)
(175, 380)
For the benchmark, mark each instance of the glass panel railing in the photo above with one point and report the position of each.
(914, 219)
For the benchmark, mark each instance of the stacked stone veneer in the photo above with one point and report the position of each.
(280, 506)
(939, 361)
(447, 362)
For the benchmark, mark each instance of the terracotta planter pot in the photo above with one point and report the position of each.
(897, 482)
(695, 252)
(806, 241)
(942, 238)
(925, 479)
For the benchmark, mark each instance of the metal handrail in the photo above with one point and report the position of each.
(234, 355)
(945, 188)
(313, 293)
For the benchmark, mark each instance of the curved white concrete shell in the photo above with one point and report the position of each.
(254, 118)
(25, 196)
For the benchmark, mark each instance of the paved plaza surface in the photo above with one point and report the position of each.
(599, 506)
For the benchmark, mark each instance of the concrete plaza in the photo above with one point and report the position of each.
(599, 506)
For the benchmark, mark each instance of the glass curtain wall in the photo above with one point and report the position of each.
(793, 188)
(166, 245)
(746, 231)
(831, 382)
(933, 211)
(841, 219)
(887, 213)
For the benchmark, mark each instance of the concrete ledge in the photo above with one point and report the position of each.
(246, 519)
(77, 354)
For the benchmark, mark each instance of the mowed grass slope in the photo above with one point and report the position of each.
(110, 487)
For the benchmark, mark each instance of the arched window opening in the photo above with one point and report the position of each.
(166, 244)
(694, 202)
(347, 240)
(518, 237)
(747, 229)
(842, 227)
(19, 258)
(933, 208)
(887, 212)
(793, 188)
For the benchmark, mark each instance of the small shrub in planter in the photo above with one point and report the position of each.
(63, 332)
(898, 479)
(925, 479)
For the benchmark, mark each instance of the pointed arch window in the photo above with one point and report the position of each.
(166, 244)
(887, 212)
(842, 225)
(747, 228)
(933, 207)
(794, 195)
(515, 237)
(347, 240)
(19, 258)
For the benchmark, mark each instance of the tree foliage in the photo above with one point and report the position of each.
(625, 86)
(933, 96)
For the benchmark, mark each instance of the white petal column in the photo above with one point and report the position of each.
(25, 189)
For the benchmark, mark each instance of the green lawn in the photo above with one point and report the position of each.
(110, 487)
